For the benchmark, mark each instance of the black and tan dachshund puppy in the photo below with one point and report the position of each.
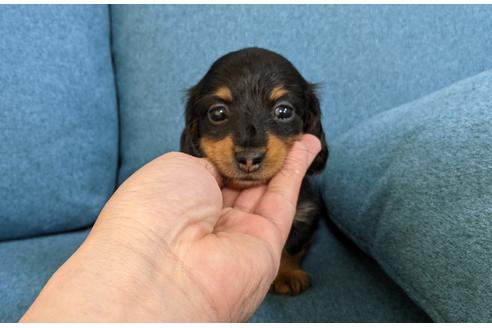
(243, 116)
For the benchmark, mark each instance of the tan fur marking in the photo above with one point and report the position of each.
(276, 153)
(291, 279)
(224, 93)
(220, 153)
(277, 93)
(277, 150)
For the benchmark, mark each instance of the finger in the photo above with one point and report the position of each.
(229, 196)
(289, 179)
(279, 201)
(248, 199)
(175, 158)
(212, 170)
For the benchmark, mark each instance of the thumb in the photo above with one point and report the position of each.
(280, 199)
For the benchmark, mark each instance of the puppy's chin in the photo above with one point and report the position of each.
(243, 183)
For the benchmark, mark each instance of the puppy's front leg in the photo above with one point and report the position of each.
(291, 278)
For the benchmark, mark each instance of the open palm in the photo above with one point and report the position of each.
(173, 244)
(233, 257)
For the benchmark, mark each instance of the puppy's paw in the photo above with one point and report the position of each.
(292, 282)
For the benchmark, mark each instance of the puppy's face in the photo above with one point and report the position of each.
(245, 114)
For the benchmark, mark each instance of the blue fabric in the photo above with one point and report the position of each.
(348, 286)
(413, 187)
(25, 267)
(410, 185)
(368, 58)
(58, 118)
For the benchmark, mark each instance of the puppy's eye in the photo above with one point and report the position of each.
(218, 113)
(283, 112)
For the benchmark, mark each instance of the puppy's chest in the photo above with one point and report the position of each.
(306, 211)
(308, 206)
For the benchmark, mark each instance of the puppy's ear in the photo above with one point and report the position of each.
(190, 137)
(312, 124)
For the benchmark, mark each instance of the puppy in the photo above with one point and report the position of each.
(243, 116)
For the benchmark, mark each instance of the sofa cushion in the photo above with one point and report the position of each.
(413, 188)
(58, 118)
(27, 265)
(368, 58)
(347, 286)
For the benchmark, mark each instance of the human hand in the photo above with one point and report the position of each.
(172, 245)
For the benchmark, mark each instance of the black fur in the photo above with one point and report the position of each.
(251, 74)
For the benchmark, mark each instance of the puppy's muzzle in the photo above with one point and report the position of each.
(249, 161)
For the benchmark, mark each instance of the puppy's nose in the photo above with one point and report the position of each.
(249, 161)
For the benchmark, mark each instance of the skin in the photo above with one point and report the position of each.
(177, 247)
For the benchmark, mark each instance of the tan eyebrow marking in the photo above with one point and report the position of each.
(223, 93)
(277, 92)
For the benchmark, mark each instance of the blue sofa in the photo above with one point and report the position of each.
(88, 94)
